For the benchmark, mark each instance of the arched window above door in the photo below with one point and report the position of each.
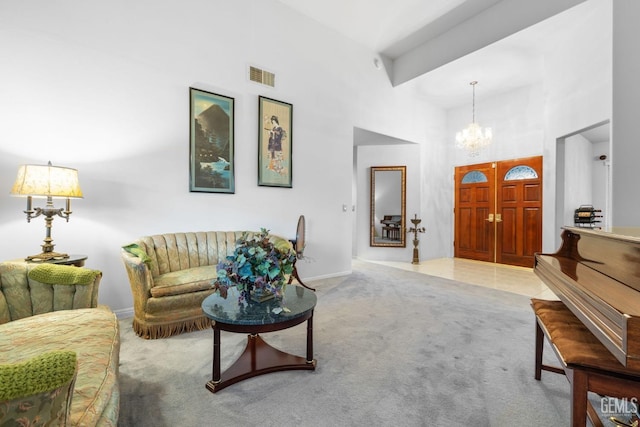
(520, 172)
(474, 176)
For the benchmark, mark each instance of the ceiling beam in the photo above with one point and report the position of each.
(488, 26)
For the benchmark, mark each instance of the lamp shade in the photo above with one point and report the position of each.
(47, 181)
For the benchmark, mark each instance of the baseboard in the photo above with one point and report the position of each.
(327, 276)
(124, 313)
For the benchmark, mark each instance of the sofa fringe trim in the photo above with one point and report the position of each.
(166, 330)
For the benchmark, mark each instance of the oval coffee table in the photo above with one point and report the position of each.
(253, 318)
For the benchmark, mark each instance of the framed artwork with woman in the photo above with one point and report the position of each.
(274, 143)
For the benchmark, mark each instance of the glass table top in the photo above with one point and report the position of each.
(296, 302)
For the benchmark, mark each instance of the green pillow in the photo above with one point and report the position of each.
(54, 274)
(42, 373)
(136, 250)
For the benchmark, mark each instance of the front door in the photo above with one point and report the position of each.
(519, 204)
(475, 203)
(498, 211)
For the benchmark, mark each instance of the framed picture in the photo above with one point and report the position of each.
(275, 142)
(211, 142)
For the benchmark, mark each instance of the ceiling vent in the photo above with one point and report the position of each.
(261, 76)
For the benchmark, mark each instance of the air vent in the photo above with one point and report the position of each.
(261, 76)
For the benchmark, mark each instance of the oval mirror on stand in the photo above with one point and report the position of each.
(300, 237)
(388, 186)
(298, 245)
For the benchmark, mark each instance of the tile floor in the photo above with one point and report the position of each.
(519, 280)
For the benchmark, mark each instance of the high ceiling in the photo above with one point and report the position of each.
(377, 24)
(393, 28)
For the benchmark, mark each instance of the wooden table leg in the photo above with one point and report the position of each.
(215, 380)
(310, 341)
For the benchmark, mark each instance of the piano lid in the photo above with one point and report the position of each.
(597, 275)
(611, 254)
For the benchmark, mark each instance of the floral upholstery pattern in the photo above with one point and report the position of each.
(22, 297)
(38, 391)
(168, 291)
(48, 408)
(36, 318)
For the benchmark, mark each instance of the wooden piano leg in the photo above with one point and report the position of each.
(539, 349)
(579, 390)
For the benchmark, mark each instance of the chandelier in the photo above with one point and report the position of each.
(473, 138)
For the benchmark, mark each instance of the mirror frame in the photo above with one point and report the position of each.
(403, 184)
(300, 237)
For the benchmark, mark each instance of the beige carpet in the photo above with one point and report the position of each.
(394, 348)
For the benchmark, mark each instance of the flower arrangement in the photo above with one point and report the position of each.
(257, 264)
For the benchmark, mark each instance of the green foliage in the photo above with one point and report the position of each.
(256, 264)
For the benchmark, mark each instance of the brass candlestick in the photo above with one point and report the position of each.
(415, 230)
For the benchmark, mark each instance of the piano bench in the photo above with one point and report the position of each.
(586, 362)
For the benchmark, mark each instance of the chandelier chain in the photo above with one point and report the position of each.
(473, 102)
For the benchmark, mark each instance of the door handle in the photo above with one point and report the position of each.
(498, 217)
(490, 219)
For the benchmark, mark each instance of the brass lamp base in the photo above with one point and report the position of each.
(46, 256)
(415, 230)
(48, 253)
(416, 256)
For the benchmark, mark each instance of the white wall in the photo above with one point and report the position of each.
(516, 119)
(625, 154)
(601, 181)
(577, 86)
(103, 87)
(436, 188)
(578, 187)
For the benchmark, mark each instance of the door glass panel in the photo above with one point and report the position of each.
(520, 172)
(472, 177)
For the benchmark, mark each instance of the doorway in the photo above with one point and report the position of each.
(498, 211)
(583, 175)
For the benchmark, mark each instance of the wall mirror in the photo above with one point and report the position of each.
(387, 226)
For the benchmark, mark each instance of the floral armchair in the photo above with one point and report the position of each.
(38, 391)
(59, 348)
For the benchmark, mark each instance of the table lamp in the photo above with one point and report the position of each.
(50, 182)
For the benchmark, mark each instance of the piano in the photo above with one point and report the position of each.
(597, 276)
(391, 226)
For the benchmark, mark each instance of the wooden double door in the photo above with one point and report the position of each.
(498, 211)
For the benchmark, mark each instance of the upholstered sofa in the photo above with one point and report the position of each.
(49, 315)
(171, 274)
